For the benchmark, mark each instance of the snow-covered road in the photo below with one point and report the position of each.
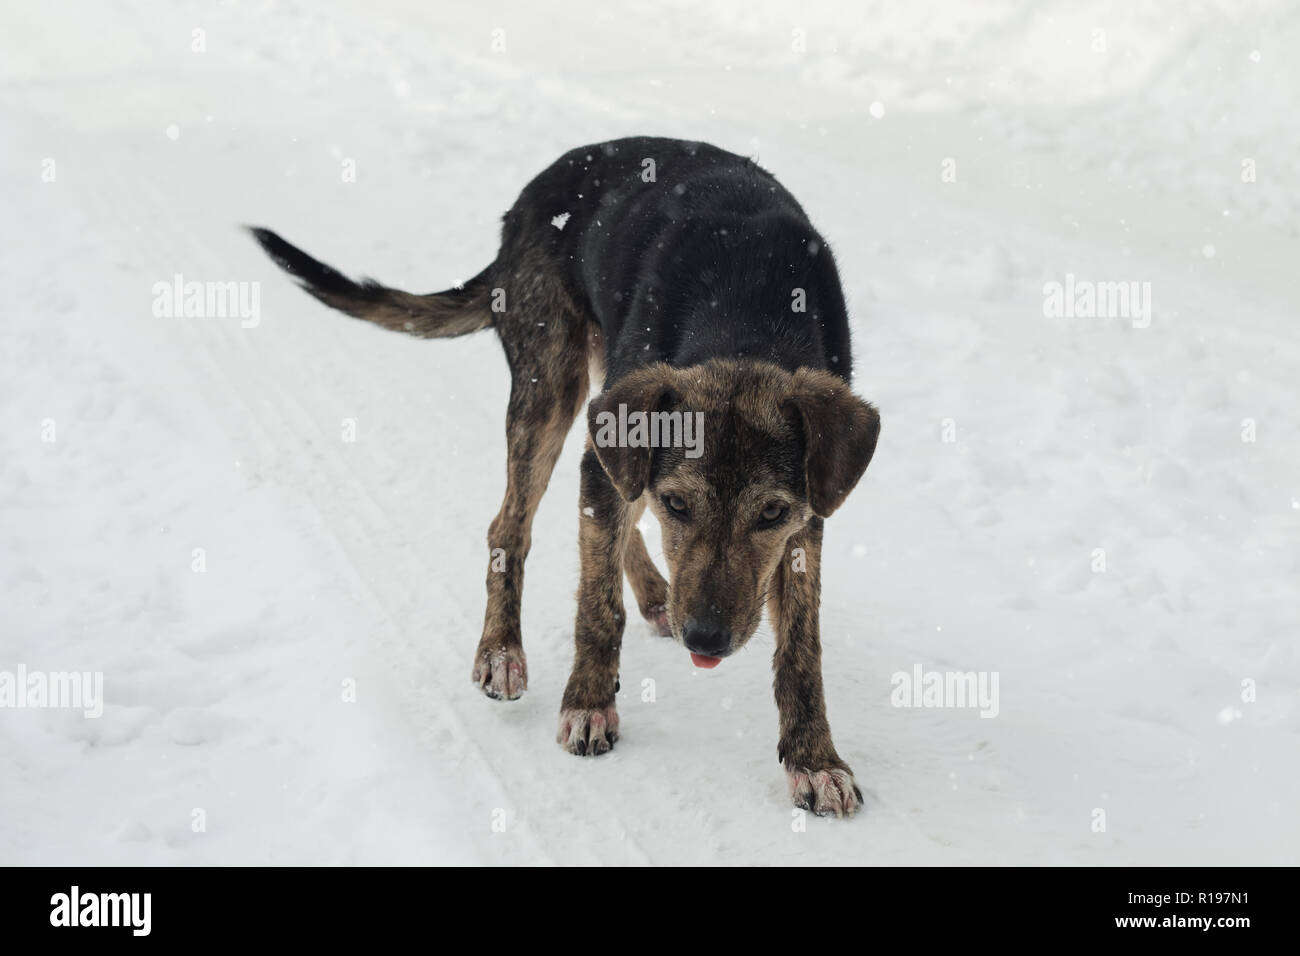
(1103, 511)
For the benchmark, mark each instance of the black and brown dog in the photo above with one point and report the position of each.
(693, 282)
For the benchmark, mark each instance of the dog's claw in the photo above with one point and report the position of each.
(501, 672)
(825, 792)
(588, 732)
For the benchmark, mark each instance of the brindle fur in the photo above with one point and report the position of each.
(676, 290)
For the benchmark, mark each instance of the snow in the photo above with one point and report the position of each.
(1102, 514)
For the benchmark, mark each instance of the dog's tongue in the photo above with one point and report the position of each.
(701, 661)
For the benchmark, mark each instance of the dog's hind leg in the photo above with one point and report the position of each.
(648, 584)
(544, 335)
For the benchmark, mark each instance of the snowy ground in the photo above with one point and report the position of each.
(1110, 157)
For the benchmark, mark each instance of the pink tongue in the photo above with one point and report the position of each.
(701, 661)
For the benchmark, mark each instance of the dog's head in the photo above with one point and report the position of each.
(734, 458)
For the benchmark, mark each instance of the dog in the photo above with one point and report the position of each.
(693, 287)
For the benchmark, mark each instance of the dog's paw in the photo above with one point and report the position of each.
(657, 615)
(501, 672)
(824, 792)
(588, 733)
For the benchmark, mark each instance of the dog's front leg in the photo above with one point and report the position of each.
(588, 719)
(819, 780)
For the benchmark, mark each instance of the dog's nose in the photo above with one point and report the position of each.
(705, 636)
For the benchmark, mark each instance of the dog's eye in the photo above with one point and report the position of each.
(676, 506)
(771, 515)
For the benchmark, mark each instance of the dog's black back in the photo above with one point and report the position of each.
(685, 252)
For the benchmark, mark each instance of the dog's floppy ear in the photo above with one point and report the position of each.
(626, 463)
(840, 432)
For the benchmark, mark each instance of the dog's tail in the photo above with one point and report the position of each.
(438, 315)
